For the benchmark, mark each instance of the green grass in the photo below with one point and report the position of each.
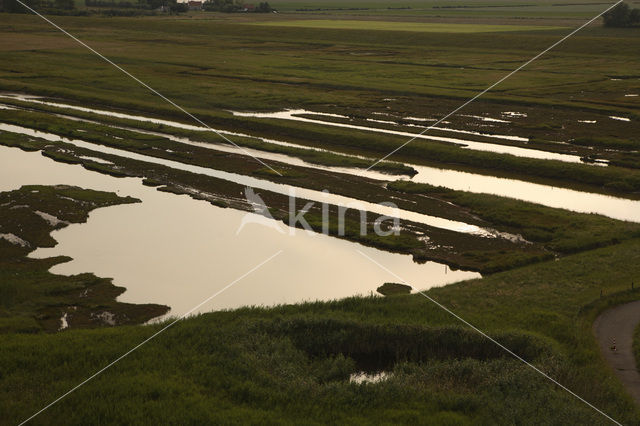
(404, 26)
(128, 139)
(457, 9)
(284, 363)
(620, 179)
(215, 63)
(636, 346)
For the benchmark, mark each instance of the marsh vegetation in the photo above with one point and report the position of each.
(547, 272)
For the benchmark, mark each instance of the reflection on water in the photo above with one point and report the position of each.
(578, 201)
(480, 146)
(296, 192)
(294, 115)
(177, 251)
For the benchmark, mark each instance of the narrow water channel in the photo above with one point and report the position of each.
(302, 193)
(551, 196)
(296, 115)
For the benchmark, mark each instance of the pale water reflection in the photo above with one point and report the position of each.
(291, 191)
(178, 251)
(578, 201)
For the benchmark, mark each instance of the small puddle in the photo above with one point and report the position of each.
(361, 377)
(613, 117)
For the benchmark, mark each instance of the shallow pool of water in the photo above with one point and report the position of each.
(291, 191)
(177, 251)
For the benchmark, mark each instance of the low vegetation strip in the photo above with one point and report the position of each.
(429, 27)
(100, 133)
(549, 232)
(491, 253)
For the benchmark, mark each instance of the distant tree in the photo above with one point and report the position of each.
(634, 17)
(622, 16)
(64, 4)
(12, 6)
(230, 7)
(176, 7)
(264, 8)
(155, 4)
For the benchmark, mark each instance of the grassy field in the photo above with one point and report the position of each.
(457, 9)
(281, 364)
(213, 63)
(346, 24)
(292, 364)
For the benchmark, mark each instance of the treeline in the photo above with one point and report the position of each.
(59, 7)
(106, 7)
(231, 6)
(622, 16)
(120, 4)
(127, 8)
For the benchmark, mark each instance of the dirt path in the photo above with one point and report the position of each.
(619, 323)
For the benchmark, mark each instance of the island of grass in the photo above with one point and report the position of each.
(393, 289)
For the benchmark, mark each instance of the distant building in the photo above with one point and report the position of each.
(195, 5)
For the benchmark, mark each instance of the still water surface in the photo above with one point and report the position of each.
(177, 251)
(578, 201)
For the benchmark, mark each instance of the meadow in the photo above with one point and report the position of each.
(293, 364)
